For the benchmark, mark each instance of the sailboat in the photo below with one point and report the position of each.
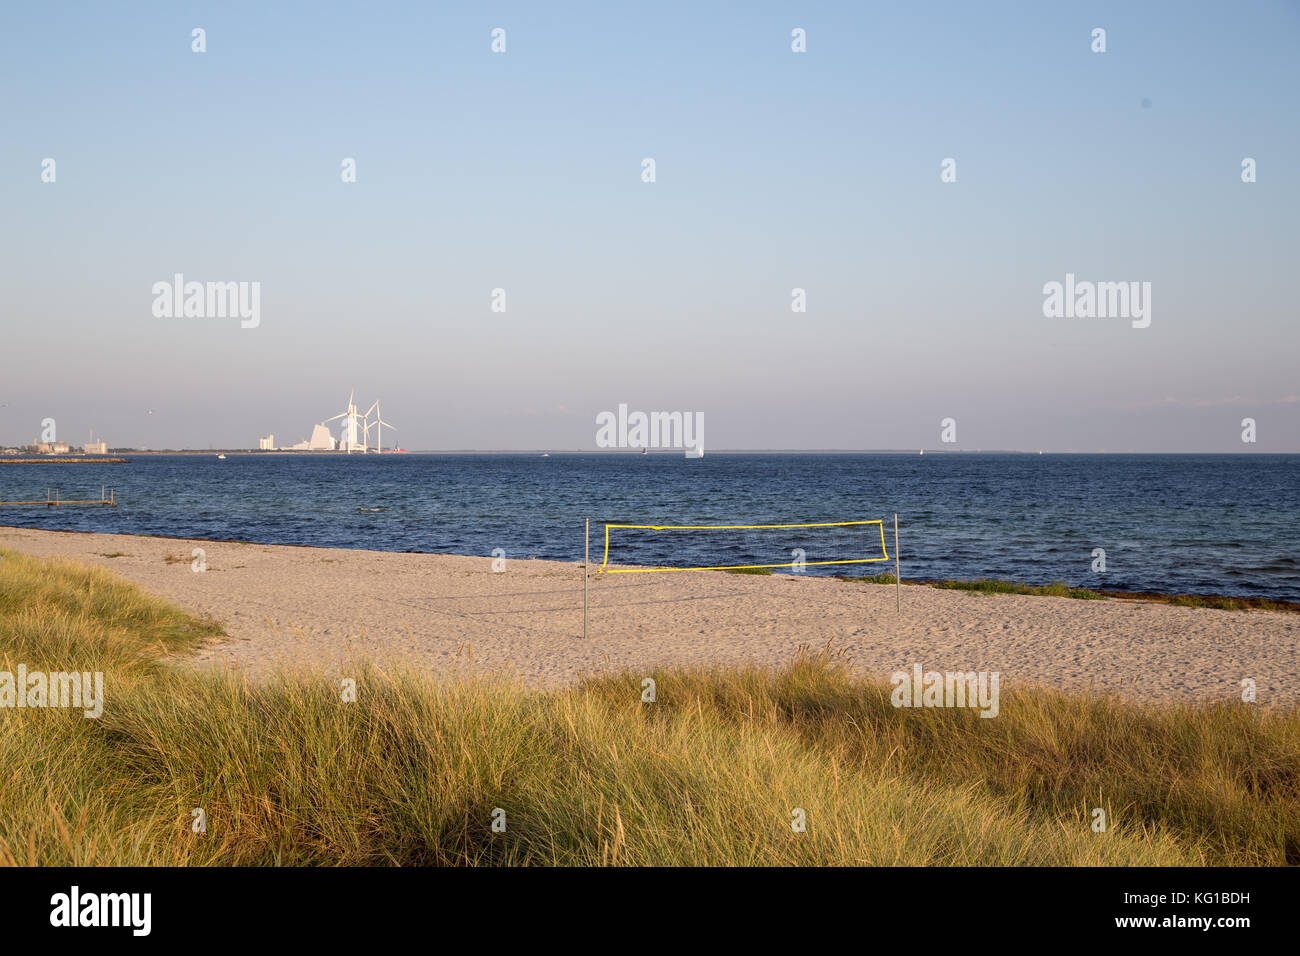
(645, 451)
(221, 458)
(696, 452)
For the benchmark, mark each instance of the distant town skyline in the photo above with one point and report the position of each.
(834, 247)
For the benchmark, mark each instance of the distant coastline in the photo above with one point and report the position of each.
(65, 460)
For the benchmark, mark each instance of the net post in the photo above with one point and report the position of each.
(586, 560)
(898, 573)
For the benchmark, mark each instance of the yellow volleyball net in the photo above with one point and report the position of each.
(642, 548)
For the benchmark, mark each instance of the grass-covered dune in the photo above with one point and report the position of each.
(712, 772)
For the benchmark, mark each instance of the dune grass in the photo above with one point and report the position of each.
(1062, 589)
(1223, 603)
(996, 586)
(884, 577)
(712, 772)
(990, 586)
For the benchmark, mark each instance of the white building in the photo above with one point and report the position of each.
(95, 448)
(321, 440)
(266, 443)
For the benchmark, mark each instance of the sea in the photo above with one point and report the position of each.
(1200, 524)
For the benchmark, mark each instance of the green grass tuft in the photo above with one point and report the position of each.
(993, 586)
(884, 577)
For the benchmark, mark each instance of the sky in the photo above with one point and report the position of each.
(775, 170)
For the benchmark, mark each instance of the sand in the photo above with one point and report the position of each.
(325, 606)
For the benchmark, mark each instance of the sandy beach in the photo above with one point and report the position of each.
(298, 605)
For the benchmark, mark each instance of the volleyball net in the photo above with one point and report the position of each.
(643, 548)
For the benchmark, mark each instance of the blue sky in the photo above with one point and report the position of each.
(775, 170)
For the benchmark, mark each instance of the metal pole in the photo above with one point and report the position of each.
(586, 559)
(898, 573)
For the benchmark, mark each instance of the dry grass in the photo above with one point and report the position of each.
(710, 773)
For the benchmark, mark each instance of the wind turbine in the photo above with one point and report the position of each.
(350, 423)
(379, 424)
